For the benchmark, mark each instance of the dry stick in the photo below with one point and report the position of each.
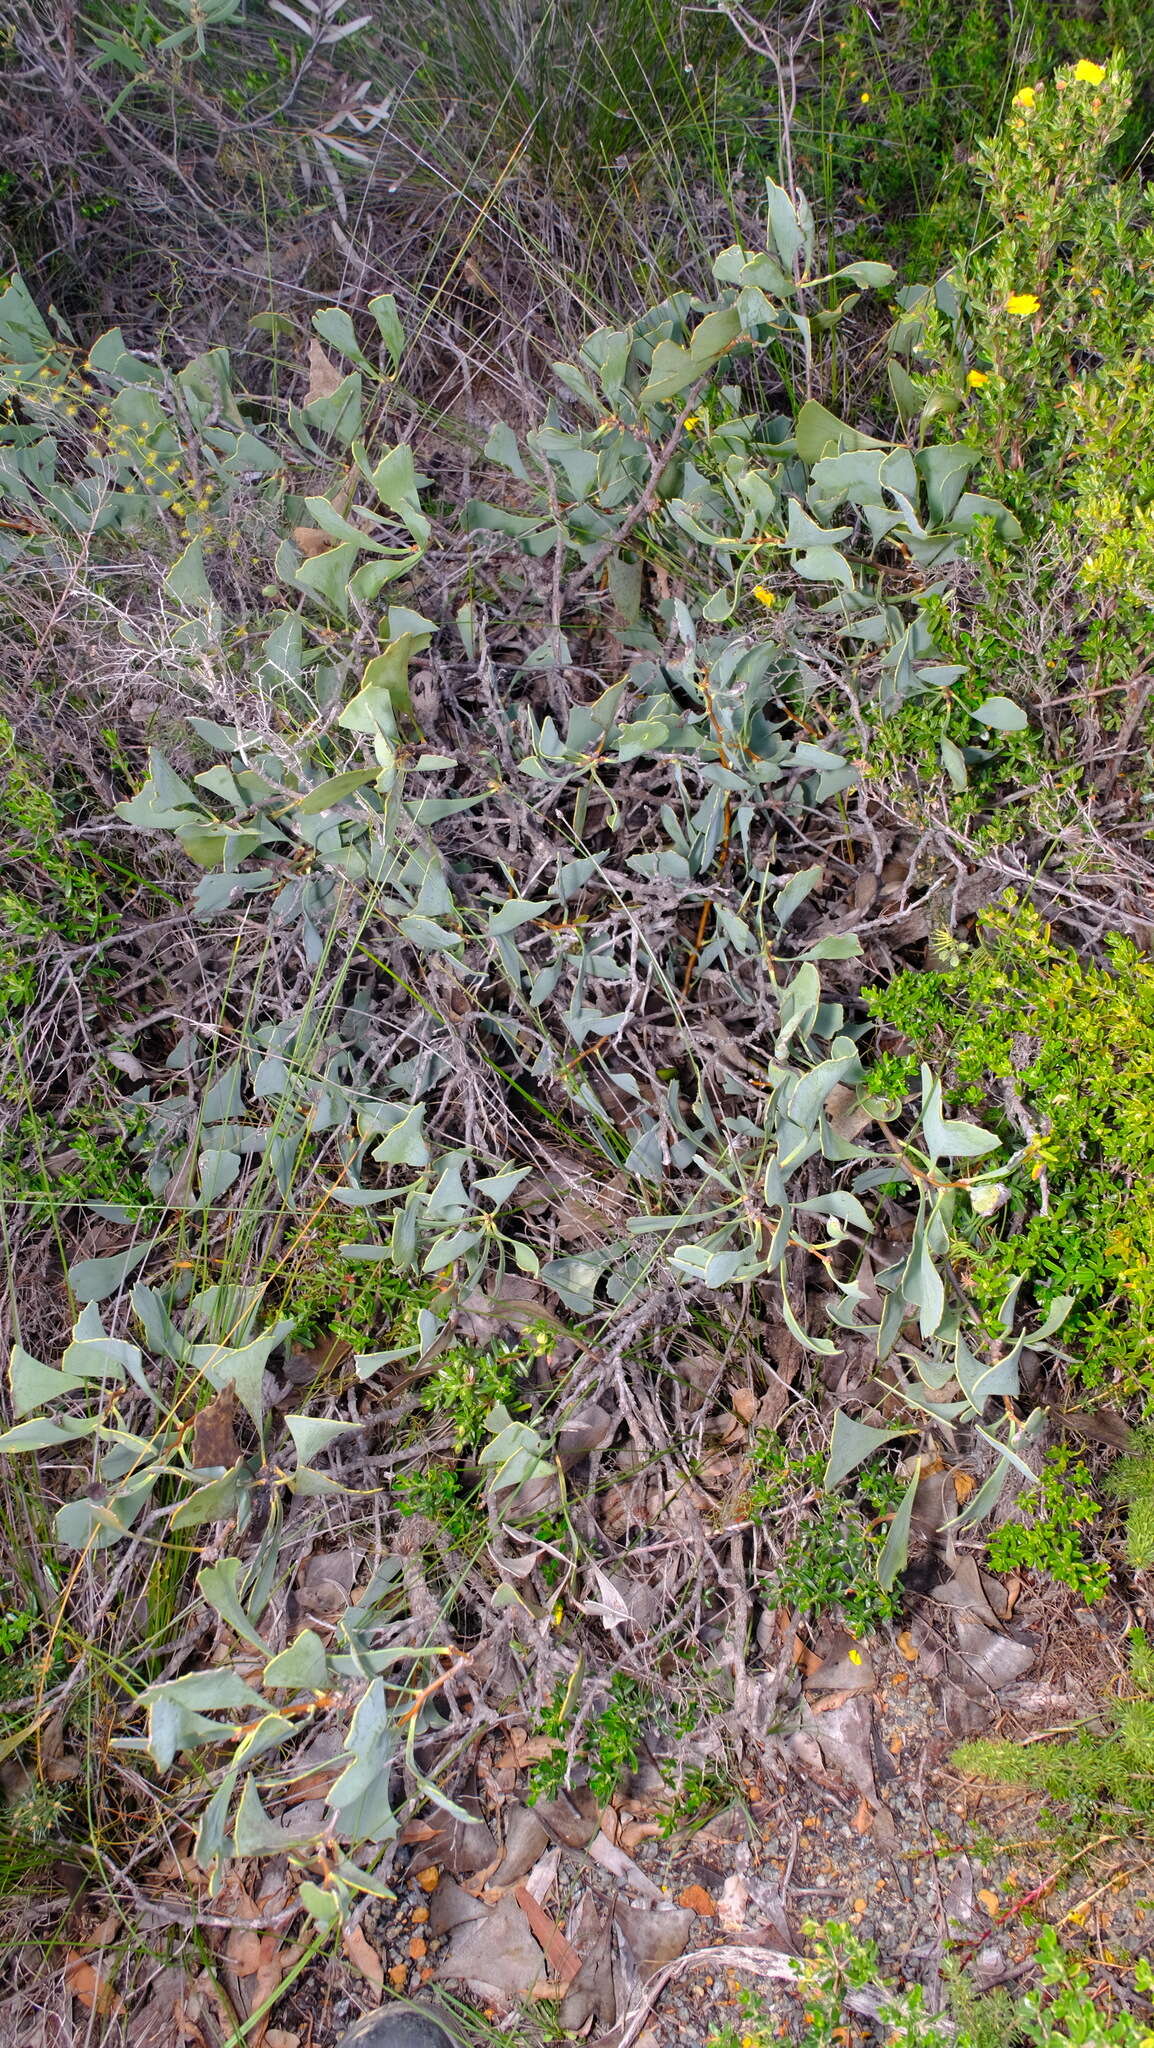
(645, 502)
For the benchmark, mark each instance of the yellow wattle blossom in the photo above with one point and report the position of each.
(976, 378)
(1026, 98)
(1089, 74)
(764, 596)
(1023, 303)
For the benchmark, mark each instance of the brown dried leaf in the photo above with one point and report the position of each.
(363, 1956)
(311, 541)
(324, 376)
(89, 1983)
(213, 1432)
(561, 1961)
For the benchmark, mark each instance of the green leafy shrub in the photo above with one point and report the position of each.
(1052, 1539)
(1060, 1051)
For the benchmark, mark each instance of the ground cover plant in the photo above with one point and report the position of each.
(578, 1012)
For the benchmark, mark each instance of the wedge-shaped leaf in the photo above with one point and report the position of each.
(673, 371)
(819, 433)
(518, 911)
(311, 1434)
(335, 326)
(217, 1169)
(40, 1433)
(173, 1728)
(186, 581)
(97, 1357)
(873, 275)
(255, 1833)
(219, 1691)
(851, 1443)
(327, 576)
(243, 1367)
(218, 1585)
(922, 1285)
(96, 1279)
(944, 1138)
(785, 228)
(713, 335)
(217, 1501)
(896, 1549)
(405, 1144)
(360, 1797)
(303, 1666)
(34, 1385)
(793, 893)
(384, 311)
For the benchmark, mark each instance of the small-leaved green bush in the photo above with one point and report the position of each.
(1058, 1049)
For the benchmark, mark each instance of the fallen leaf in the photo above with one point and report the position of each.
(88, 1982)
(989, 1661)
(496, 1956)
(561, 1961)
(363, 1956)
(613, 1859)
(964, 1486)
(312, 541)
(213, 1434)
(656, 1934)
(281, 2037)
(635, 1832)
(745, 1404)
(697, 1900)
(733, 1903)
(863, 1817)
(324, 376)
(525, 1838)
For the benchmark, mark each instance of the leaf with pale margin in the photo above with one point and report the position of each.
(896, 1549)
(34, 1385)
(255, 1833)
(851, 1443)
(41, 1433)
(218, 1585)
(945, 1138)
(310, 1434)
(96, 1279)
(303, 1666)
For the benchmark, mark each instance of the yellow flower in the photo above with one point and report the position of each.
(855, 1657)
(1023, 303)
(691, 422)
(764, 596)
(865, 99)
(1089, 74)
(976, 378)
(1026, 98)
